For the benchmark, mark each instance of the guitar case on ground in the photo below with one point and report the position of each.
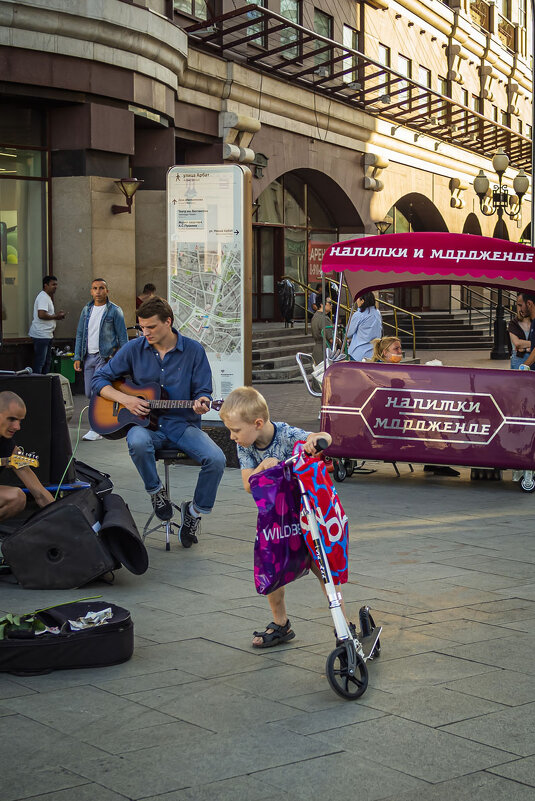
(26, 653)
(73, 541)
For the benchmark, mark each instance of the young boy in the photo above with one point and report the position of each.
(262, 444)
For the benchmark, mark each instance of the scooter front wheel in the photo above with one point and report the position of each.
(350, 687)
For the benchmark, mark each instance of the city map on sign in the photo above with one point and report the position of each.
(206, 259)
(206, 295)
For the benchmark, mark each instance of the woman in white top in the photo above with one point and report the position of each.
(365, 325)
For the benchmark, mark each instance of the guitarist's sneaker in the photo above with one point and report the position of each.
(162, 505)
(91, 435)
(187, 533)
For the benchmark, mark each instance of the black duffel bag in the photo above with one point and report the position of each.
(73, 541)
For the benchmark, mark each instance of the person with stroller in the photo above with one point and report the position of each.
(262, 444)
(365, 325)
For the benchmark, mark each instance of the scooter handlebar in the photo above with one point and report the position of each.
(321, 444)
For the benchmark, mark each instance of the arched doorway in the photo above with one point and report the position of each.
(414, 212)
(293, 225)
(472, 225)
(500, 231)
(526, 235)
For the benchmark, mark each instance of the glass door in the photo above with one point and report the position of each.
(267, 272)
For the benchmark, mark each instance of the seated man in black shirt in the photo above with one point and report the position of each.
(13, 499)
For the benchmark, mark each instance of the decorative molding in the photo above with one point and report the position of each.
(487, 75)
(237, 131)
(513, 98)
(373, 166)
(457, 186)
(456, 56)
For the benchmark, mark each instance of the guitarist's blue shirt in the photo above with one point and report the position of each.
(184, 374)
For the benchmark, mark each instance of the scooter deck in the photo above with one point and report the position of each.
(369, 642)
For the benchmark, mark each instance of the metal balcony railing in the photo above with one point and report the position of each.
(268, 42)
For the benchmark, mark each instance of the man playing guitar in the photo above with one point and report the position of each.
(13, 499)
(179, 365)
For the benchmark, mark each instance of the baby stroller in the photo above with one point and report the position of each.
(346, 666)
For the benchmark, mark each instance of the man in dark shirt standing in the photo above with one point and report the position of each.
(179, 364)
(13, 499)
(529, 300)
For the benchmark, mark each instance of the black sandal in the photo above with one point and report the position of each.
(277, 635)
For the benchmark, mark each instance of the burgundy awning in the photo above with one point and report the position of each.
(431, 258)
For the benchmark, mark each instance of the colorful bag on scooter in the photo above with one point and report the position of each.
(331, 518)
(280, 552)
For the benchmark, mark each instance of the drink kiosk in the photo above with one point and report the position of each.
(473, 417)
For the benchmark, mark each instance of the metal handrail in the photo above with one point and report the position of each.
(492, 304)
(349, 309)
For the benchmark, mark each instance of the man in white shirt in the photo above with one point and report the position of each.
(101, 332)
(44, 324)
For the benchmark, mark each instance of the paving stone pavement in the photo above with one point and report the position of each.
(448, 568)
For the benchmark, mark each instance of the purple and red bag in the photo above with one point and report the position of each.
(280, 552)
(332, 520)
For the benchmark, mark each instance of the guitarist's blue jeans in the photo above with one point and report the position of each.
(142, 443)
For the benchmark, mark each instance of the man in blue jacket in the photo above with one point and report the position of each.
(179, 365)
(101, 332)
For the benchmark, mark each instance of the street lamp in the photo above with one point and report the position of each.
(500, 202)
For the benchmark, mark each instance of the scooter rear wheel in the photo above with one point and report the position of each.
(350, 687)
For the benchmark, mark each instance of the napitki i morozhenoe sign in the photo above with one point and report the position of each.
(425, 415)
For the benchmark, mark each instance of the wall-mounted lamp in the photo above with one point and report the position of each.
(129, 187)
(383, 225)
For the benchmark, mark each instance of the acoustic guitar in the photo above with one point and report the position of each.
(112, 419)
(19, 459)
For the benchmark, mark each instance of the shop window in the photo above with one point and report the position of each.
(405, 68)
(350, 65)
(292, 11)
(197, 8)
(324, 26)
(424, 79)
(23, 215)
(259, 28)
(384, 58)
(23, 251)
(271, 205)
(522, 13)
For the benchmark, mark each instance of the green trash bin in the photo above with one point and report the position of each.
(65, 366)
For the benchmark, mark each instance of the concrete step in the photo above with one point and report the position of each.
(276, 363)
(276, 331)
(296, 343)
(278, 376)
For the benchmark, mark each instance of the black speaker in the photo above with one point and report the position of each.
(44, 431)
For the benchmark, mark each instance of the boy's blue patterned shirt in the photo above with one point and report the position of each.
(280, 447)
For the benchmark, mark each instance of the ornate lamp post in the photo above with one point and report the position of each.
(500, 202)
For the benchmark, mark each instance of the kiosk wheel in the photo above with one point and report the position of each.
(527, 483)
(339, 470)
(349, 687)
(349, 465)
